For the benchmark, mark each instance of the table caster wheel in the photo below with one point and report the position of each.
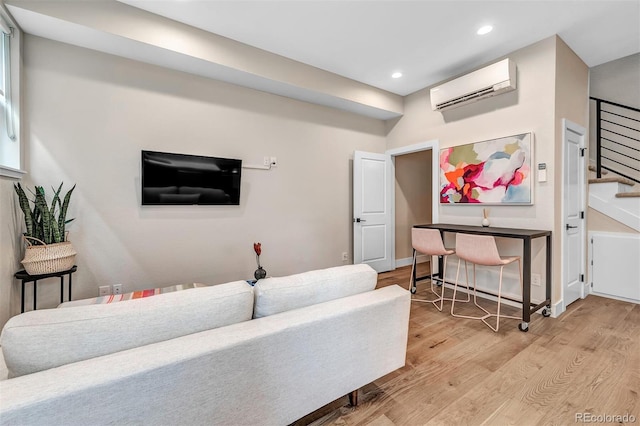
(546, 312)
(523, 326)
(413, 290)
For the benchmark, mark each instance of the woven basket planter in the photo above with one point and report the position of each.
(48, 258)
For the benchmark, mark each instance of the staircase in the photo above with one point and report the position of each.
(614, 191)
(617, 139)
(613, 267)
(616, 197)
(618, 152)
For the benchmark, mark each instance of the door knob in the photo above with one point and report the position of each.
(358, 220)
(570, 227)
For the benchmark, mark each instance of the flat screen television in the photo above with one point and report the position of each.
(169, 179)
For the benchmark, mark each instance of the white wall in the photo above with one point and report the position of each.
(10, 251)
(528, 109)
(531, 108)
(88, 116)
(617, 81)
(11, 157)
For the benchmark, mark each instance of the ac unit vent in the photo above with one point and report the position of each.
(464, 99)
(489, 81)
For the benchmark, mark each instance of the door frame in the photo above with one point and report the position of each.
(433, 145)
(567, 126)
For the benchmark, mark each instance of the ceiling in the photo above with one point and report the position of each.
(335, 53)
(428, 41)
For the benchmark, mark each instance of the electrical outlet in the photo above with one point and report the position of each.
(266, 161)
(104, 290)
(274, 162)
(535, 280)
(117, 289)
(345, 256)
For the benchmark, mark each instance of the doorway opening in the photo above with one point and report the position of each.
(415, 194)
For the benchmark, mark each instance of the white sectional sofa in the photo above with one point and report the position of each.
(229, 354)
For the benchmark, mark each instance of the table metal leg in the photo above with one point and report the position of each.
(526, 283)
(35, 290)
(62, 289)
(441, 263)
(549, 262)
(22, 299)
(70, 286)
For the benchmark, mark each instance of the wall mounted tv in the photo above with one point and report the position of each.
(169, 179)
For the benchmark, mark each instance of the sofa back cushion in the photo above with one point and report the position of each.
(43, 339)
(279, 294)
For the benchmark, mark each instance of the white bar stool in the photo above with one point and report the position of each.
(482, 250)
(429, 242)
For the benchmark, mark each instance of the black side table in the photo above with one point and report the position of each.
(26, 278)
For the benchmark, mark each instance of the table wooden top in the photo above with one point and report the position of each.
(488, 230)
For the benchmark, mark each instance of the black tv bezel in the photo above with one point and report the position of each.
(208, 157)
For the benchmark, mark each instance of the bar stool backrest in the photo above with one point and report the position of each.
(428, 241)
(478, 249)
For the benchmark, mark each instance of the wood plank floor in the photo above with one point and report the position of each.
(459, 372)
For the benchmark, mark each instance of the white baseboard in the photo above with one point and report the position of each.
(558, 309)
(614, 297)
(403, 262)
(408, 260)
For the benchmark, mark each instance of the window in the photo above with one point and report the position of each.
(2, 73)
(6, 82)
(10, 152)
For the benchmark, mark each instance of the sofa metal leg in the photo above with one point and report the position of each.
(353, 398)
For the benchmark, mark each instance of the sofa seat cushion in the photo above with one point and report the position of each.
(113, 298)
(43, 339)
(280, 294)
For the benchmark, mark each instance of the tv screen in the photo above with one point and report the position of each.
(189, 179)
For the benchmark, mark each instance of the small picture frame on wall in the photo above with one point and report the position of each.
(492, 172)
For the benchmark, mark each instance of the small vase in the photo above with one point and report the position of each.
(485, 222)
(260, 273)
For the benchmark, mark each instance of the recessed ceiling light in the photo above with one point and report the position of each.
(484, 30)
(396, 75)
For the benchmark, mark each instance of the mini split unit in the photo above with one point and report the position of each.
(488, 81)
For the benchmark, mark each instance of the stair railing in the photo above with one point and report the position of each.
(617, 139)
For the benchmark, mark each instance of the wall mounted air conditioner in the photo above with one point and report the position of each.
(483, 83)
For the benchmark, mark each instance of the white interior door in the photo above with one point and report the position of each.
(373, 210)
(574, 245)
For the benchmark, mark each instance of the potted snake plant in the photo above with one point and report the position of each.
(48, 247)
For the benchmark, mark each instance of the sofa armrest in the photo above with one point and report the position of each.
(272, 370)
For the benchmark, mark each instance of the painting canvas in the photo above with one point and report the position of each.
(496, 171)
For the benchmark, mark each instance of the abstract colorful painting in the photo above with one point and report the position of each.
(496, 171)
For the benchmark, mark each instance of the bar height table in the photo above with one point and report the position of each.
(26, 278)
(526, 235)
